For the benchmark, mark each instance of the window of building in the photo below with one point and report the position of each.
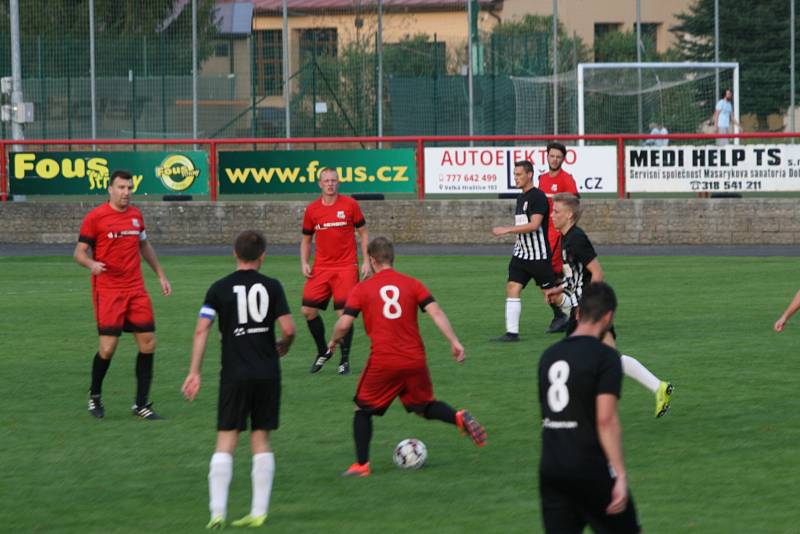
(650, 32)
(268, 62)
(603, 28)
(317, 42)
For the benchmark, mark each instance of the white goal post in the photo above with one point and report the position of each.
(617, 80)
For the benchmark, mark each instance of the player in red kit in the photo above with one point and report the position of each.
(331, 221)
(112, 240)
(553, 182)
(397, 366)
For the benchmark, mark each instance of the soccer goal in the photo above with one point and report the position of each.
(619, 98)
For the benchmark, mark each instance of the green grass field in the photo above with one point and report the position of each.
(723, 460)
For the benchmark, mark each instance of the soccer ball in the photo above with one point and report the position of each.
(410, 454)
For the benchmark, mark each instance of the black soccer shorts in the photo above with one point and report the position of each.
(521, 271)
(569, 504)
(573, 324)
(256, 400)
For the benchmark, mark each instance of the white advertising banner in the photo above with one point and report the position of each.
(686, 169)
(472, 170)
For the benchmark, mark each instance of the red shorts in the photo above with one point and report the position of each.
(124, 310)
(378, 387)
(318, 289)
(554, 237)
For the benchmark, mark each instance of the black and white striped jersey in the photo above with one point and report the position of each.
(577, 252)
(533, 245)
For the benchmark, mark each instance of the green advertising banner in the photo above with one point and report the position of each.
(361, 171)
(87, 173)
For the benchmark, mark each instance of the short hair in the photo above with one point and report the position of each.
(571, 202)
(323, 170)
(558, 146)
(124, 175)
(250, 245)
(597, 300)
(725, 92)
(525, 164)
(381, 250)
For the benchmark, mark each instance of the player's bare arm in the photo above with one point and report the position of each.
(794, 305)
(536, 222)
(83, 257)
(340, 329)
(363, 237)
(596, 269)
(443, 323)
(149, 255)
(609, 430)
(286, 324)
(191, 385)
(305, 255)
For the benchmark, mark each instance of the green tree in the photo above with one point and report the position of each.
(621, 47)
(124, 29)
(754, 34)
(415, 55)
(523, 47)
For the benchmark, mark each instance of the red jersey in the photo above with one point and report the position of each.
(114, 237)
(389, 301)
(563, 182)
(335, 245)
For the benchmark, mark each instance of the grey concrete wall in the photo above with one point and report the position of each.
(608, 222)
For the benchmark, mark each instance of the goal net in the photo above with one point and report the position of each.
(545, 104)
(620, 98)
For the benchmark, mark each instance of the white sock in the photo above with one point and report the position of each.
(565, 305)
(634, 369)
(220, 473)
(261, 475)
(513, 310)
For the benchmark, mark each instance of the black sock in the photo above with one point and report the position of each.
(441, 411)
(362, 432)
(317, 328)
(144, 376)
(99, 369)
(347, 340)
(557, 313)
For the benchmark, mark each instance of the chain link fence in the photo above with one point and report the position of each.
(350, 68)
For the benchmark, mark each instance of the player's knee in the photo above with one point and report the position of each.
(513, 290)
(309, 313)
(107, 348)
(147, 345)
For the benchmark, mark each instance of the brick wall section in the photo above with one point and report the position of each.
(633, 221)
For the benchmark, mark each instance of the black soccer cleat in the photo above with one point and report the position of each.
(559, 324)
(344, 368)
(145, 412)
(507, 337)
(96, 408)
(319, 361)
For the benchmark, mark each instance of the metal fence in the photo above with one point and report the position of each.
(288, 68)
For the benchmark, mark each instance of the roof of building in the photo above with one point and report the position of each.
(349, 5)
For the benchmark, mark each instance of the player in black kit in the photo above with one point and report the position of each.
(247, 304)
(582, 474)
(581, 268)
(531, 255)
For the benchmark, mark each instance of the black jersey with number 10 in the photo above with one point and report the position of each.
(247, 304)
(571, 375)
